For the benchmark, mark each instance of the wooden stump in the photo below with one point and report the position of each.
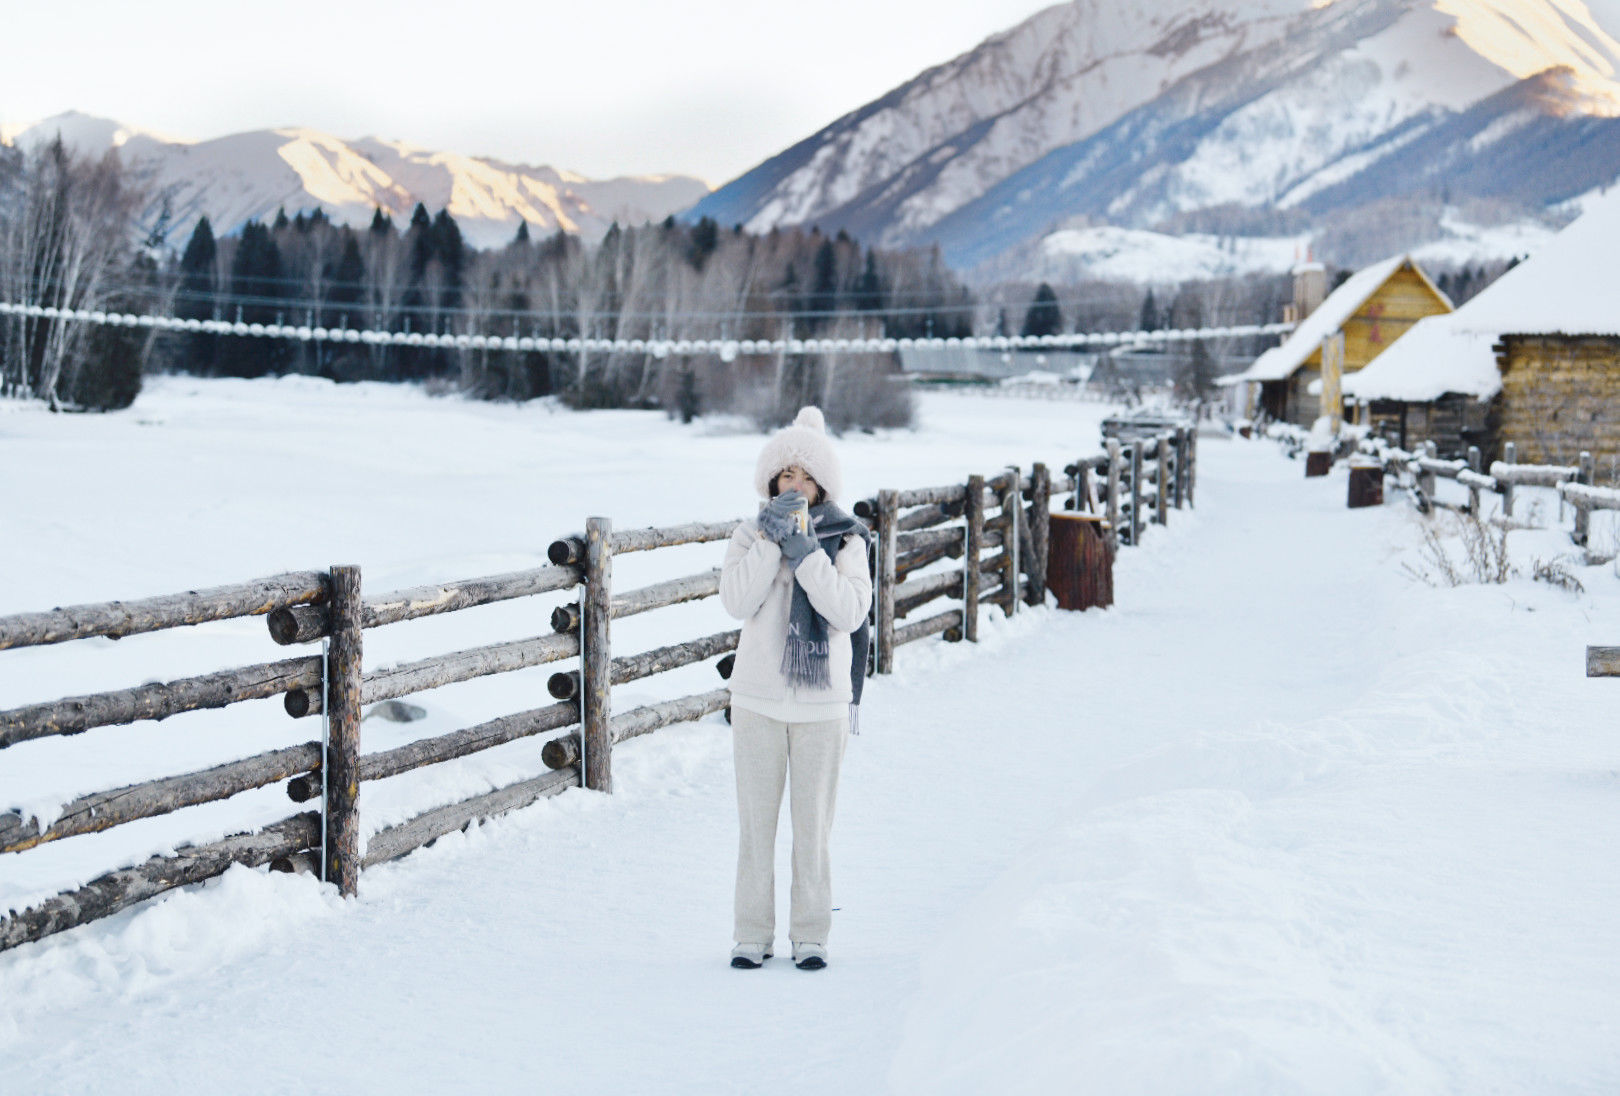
(1317, 464)
(1366, 485)
(1080, 564)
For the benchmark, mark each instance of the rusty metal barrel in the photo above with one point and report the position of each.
(1080, 561)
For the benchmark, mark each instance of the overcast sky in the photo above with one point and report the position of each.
(701, 87)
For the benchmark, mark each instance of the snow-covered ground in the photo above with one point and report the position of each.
(1283, 820)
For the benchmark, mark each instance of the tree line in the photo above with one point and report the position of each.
(69, 238)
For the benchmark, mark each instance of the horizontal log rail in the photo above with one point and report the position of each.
(562, 752)
(116, 619)
(446, 747)
(104, 810)
(933, 625)
(396, 841)
(626, 668)
(1583, 497)
(304, 624)
(158, 701)
(675, 591)
(920, 591)
(117, 890)
(928, 539)
(1477, 481)
(1445, 469)
(1533, 475)
(926, 517)
(570, 550)
(432, 673)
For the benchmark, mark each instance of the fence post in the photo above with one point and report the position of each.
(1113, 493)
(1192, 462)
(1510, 453)
(1181, 467)
(341, 814)
(1136, 492)
(1583, 516)
(974, 549)
(1426, 479)
(1040, 531)
(888, 506)
(1473, 492)
(1012, 502)
(1161, 482)
(596, 658)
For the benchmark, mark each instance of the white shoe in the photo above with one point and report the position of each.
(750, 956)
(809, 956)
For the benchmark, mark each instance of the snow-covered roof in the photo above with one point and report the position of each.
(1280, 361)
(1564, 288)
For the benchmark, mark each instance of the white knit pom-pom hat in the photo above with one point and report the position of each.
(803, 442)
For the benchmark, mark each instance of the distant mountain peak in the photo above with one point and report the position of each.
(248, 176)
(1138, 113)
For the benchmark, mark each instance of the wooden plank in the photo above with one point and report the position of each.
(408, 836)
(1603, 662)
(117, 890)
(158, 701)
(116, 619)
(104, 810)
(341, 812)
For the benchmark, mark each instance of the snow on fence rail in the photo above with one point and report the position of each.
(1007, 514)
(1422, 469)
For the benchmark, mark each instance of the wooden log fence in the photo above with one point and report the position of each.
(1419, 472)
(998, 527)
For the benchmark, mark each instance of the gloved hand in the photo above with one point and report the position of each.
(796, 547)
(776, 519)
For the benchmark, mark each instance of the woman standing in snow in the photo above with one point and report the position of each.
(797, 578)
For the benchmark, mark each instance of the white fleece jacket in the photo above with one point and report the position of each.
(756, 586)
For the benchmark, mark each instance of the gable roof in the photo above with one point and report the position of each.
(1565, 288)
(1280, 362)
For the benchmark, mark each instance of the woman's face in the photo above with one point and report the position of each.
(794, 478)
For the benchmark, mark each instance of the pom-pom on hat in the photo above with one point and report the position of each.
(803, 442)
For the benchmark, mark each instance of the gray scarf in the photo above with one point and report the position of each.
(805, 657)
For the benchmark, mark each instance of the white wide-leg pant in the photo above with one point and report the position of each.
(768, 752)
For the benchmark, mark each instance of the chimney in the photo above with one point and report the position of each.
(1310, 288)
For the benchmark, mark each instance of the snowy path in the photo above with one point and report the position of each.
(1268, 826)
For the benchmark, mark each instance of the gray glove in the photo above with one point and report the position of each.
(776, 519)
(796, 547)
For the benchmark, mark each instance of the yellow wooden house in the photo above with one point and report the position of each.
(1372, 309)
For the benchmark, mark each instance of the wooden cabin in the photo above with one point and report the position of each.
(1560, 396)
(1533, 359)
(1373, 308)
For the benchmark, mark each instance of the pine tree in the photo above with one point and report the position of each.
(705, 238)
(1044, 317)
(256, 282)
(869, 287)
(197, 298)
(522, 237)
(1149, 319)
(381, 223)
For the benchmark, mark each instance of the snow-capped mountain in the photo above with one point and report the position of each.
(249, 176)
(1137, 114)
